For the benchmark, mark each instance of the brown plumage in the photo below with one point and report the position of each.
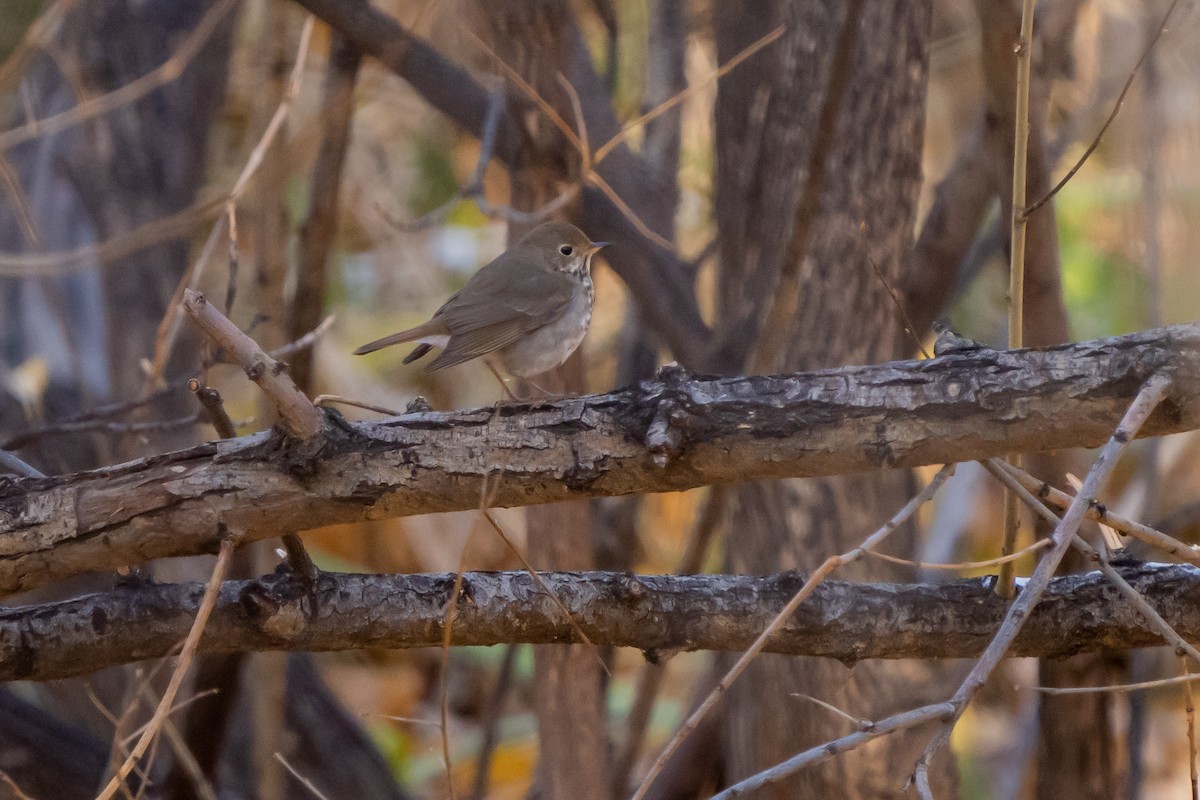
(530, 307)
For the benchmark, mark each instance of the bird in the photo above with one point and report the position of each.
(526, 311)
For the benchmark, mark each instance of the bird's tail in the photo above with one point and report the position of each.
(433, 328)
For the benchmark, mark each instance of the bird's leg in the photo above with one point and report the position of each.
(548, 395)
(503, 384)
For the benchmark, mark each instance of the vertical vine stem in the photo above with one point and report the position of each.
(1006, 585)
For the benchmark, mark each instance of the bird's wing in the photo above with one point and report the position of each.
(479, 324)
(477, 342)
(533, 298)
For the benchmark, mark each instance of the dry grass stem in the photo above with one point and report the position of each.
(228, 545)
(991, 562)
(1119, 688)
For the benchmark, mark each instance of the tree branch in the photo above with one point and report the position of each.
(670, 434)
(659, 614)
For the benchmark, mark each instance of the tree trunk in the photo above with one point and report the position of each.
(819, 150)
(534, 39)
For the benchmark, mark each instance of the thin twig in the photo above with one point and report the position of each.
(35, 36)
(15, 465)
(1177, 642)
(1112, 115)
(1099, 513)
(305, 782)
(168, 329)
(991, 562)
(228, 545)
(1190, 711)
(487, 515)
(1119, 688)
(161, 75)
(1151, 394)
(628, 129)
(13, 787)
(810, 585)
(824, 752)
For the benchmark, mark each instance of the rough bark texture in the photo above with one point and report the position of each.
(812, 200)
(659, 614)
(702, 431)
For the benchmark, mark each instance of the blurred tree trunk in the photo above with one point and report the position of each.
(93, 322)
(819, 151)
(535, 39)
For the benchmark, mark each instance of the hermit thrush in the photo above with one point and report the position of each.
(527, 310)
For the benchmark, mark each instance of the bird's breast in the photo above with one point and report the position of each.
(549, 346)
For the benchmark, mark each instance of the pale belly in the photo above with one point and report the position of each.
(546, 348)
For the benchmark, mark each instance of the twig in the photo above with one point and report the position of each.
(1151, 394)
(810, 585)
(161, 75)
(19, 201)
(182, 753)
(662, 108)
(89, 256)
(1113, 115)
(297, 415)
(168, 329)
(1190, 711)
(303, 780)
(824, 752)
(228, 544)
(991, 562)
(1099, 513)
(1120, 688)
(13, 787)
(15, 465)
(210, 400)
(1181, 646)
(487, 515)
(444, 673)
(36, 35)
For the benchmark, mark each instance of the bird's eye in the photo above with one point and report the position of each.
(566, 249)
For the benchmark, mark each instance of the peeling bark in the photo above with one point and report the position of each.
(659, 614)
(670, 434)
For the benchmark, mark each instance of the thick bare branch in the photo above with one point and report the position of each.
(659, 614)
(670, 434)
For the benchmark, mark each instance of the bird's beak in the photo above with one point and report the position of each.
(597, 246)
